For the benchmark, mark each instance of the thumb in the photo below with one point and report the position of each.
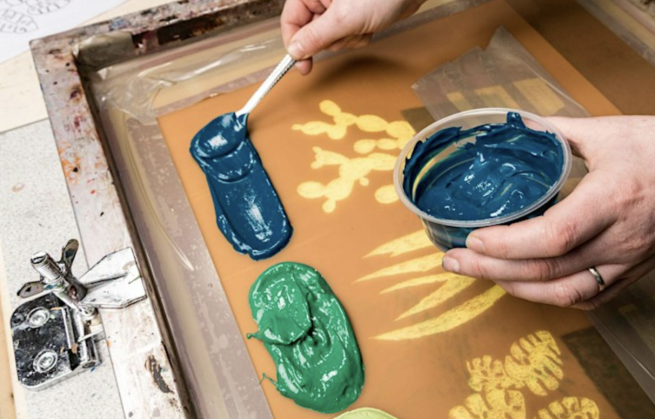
(585, 134)
(563, 227)
(319, 34)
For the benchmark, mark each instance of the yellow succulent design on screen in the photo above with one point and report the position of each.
(533, 365)
(424, 270)
(371, 154)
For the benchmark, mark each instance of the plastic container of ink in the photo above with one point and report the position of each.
(450, 232)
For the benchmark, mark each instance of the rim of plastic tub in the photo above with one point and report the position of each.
(425, 133)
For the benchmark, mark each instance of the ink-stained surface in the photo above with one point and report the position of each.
(248, 210)
(328, 142)
(308, 334)
(506, 168)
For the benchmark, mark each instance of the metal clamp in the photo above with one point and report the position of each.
(53, 332)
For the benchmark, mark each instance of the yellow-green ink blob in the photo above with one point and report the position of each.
(309, 336)
(365, 413)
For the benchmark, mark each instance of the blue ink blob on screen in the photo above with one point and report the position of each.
(248, 210)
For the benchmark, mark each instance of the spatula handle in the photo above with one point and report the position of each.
(279, 71)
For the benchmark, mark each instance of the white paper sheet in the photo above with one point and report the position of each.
(24, 20)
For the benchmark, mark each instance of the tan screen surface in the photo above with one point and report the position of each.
(328, 142)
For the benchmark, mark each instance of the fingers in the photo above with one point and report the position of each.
(298, 13)
(577, 290)
(569, 132)
(350, 42)
(469, 263)
(577, 130)
(304, 67)
(316, 35)
(584, 134)
(618, 285)
(593, 252)
(565, 226)
(603, 223)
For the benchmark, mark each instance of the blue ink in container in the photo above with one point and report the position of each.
(248, 209)
(481, 168)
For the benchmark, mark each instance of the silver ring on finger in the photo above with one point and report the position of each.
(599, 279)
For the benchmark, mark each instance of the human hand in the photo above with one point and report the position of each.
(608, 222)
(310, 26)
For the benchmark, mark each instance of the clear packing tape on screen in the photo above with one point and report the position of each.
(503, 75)
(162, 83)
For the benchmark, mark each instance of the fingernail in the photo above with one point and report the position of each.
(295, 51)
(450, 264)
(475, 244)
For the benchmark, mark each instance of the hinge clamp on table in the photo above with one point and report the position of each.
(54, 330)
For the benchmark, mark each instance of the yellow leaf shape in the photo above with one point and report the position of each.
(409, 243)
(488, 374)
(361, 166)
(399, 133)
(387, 144)
(570, 408)
(334, 191)
(401, 130)
(422, 264)
(423, 280)
(498, 404)
(351, 171)
(329, 108)
(386, 194)
(345, 119)
(450, 319)
(371, 123)
(311, 190)
(364, 146)
(330, 205)
(535, 362)
(442, 294)
(335, 132)
(327, 158)
(365, 413)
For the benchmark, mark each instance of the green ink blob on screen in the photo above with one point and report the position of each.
(308, 334)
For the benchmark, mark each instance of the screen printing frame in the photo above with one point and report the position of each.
(66, 65)
(104, 218)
